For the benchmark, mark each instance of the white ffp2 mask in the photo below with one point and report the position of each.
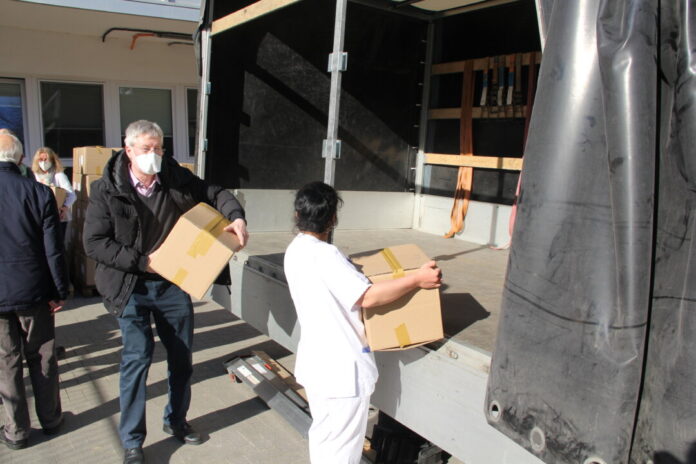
(45, 165)
(149, 163)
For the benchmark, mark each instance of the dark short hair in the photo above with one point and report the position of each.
(316, 205)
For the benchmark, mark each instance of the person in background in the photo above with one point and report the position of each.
(48, 170)
(23, 168)
(334, 362)
(33, 286)
(131, 210)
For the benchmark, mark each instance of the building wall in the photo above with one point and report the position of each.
(35, 55)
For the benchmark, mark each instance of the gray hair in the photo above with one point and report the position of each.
(142, 127)
(10, 148)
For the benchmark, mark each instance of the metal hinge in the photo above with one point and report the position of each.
(205, 144)
(338, 62)
(331, 149)
(208, 88)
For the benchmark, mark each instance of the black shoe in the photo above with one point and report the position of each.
(184, 433)
(60, 352)
(134, 456)
(13, 445)
(55, 429)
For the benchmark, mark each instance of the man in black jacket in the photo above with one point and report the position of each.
(33, 285)
(131, 210)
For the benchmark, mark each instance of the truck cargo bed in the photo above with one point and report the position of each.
(437, 390)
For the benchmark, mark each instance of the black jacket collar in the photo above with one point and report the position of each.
(9, 166)
(118, 178)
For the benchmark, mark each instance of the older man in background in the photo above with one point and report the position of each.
(33, 285)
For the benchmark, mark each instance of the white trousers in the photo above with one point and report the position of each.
(338, 429)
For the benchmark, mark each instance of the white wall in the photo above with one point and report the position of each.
(80, 57)
(35, 55)
(486, 223)
(272, 210)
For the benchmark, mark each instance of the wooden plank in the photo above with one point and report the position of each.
(476, 113)
(480, 64)
(445, 113)
(485, 162)
(253, 11)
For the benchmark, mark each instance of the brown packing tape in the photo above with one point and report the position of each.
(402, 335)
(179, 277)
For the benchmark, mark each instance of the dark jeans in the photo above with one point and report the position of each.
(172, 311)
(30, 334)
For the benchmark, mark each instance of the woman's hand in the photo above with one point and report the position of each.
(429, 275)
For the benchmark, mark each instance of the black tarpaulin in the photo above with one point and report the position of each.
(594, 361)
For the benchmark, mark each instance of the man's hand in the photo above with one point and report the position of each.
(55, 305)
(238, 227)
(429, 275)
(63, 213)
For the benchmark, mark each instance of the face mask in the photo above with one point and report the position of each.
(45, 165)
(149, 163)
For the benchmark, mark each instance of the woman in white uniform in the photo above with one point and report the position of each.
(334, 363)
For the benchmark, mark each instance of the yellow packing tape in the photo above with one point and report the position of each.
(201, 244)
(179, 277)
(206, 237)
(397, 270)
(402, 336)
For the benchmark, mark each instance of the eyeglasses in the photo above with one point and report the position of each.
(145, 150)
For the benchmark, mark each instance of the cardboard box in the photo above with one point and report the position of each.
(90, 160)
(83, 187)
(85, 268)
(77, 224)
(412, 320)
(196, 250)
(60, 194)
(189, 166)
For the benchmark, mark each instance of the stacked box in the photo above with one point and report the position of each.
(190, 166)
(88, 166)
(90, 160)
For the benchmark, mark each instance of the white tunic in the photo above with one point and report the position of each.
(332, 357)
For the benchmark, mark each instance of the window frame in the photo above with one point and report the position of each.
(23, 98)
(67, 161)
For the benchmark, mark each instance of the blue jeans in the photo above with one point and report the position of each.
(172, 311)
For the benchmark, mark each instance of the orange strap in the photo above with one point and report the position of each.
(465, 176)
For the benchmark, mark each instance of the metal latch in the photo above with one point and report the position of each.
(338, 62)
(331, 149)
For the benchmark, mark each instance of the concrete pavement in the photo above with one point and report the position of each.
(237, 426)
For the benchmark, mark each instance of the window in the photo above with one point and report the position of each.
(192, 118)
(73, 116)
(11, 113)
(151, 104)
